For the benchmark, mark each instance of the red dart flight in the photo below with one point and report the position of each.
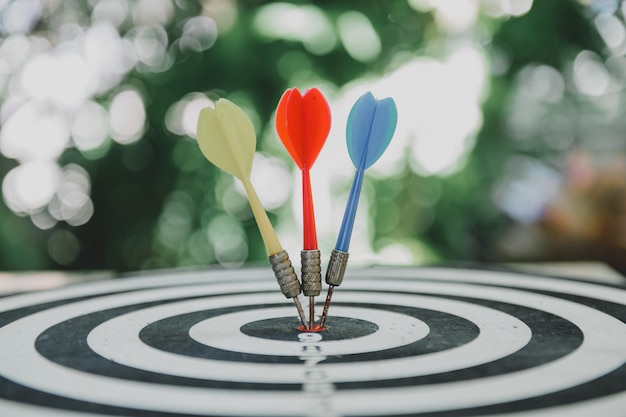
(303, 124)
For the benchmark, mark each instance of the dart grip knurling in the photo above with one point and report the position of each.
(311, 272)
(336, 267)
(285, 274)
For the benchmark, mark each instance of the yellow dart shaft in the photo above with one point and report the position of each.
(263, 222)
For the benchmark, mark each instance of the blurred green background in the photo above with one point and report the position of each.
(510, 143)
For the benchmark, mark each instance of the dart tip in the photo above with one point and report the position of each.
(311, 312)
(315, 329)
(296, 301)
(334, 277)
(329, 296)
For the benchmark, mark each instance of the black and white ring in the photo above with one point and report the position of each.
(426, 341)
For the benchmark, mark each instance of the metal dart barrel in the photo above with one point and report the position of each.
(287, 280)
(311, 279)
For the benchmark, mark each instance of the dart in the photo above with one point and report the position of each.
(226, 138)
(370, 127)
(303, 123)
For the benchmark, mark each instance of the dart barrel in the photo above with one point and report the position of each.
(285, 274)
(336, 267)
(311, 272)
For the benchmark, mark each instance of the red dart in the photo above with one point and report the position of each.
(303, 123)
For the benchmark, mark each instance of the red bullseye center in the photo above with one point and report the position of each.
(314, 329)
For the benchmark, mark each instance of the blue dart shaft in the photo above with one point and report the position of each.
(345, 233)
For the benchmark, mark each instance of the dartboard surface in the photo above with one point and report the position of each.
(400, 342)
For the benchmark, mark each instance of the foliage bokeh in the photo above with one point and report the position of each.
(151, 201)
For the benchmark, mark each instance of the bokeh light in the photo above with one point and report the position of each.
(34, 131)
(20, 16)
(63, 247)
(510, 129)
(227, 239)
(72, 202)
(127, 116)
(90, 126)
(199, 34)
(181, 118)
(29, 187)
(306, 24)
(358, 36)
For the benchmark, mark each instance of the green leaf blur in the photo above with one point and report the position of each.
(510, 140)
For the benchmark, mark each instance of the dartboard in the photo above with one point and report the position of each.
(399, 342)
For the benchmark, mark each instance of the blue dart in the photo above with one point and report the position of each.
(370, 127)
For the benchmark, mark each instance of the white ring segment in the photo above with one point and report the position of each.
(262, 276)
(603, 350)
(222, 332)
(500, 335)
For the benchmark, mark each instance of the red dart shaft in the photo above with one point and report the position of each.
(303, 123)
(308, 214)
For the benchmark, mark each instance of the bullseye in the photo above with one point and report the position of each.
(224, 343)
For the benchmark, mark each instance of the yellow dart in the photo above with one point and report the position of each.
(226, 138)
